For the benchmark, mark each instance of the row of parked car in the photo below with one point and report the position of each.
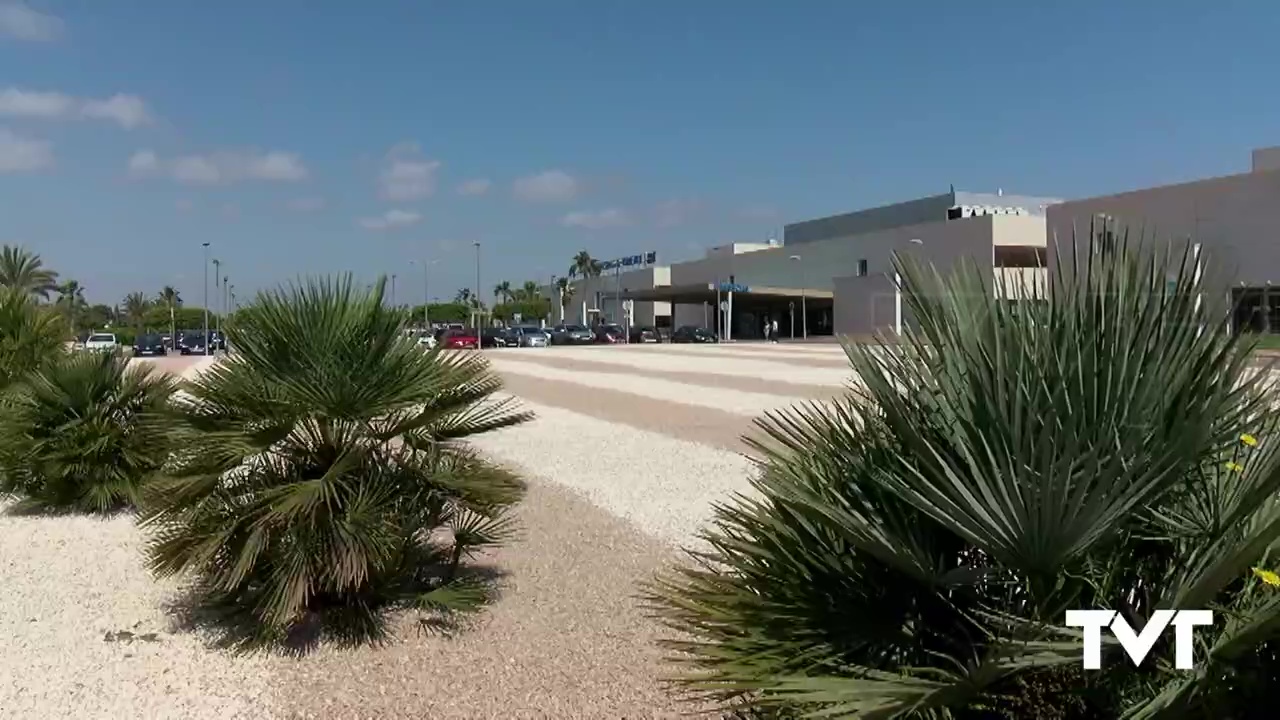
(458, 337)
(187, 342)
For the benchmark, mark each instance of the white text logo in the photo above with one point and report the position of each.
(1139, 644)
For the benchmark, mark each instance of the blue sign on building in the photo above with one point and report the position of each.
(734, 287)
(629, 261)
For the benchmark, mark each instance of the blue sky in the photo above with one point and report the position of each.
(309, 137)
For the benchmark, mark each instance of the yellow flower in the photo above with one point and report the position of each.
(1235, 466)
(1249, 440)
(1268, 577)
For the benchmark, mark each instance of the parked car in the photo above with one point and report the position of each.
(460, 339)
(692, 334)
(191, 343)
(150, 345)
(645, 335)
(571, 335)
(610, 334)
(101, 342)
(530, 336)
(497, 337)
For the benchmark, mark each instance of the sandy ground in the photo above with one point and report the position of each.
(619, 480)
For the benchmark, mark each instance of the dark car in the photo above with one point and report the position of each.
(692, 334)
(191, 343)
(149, 345)
(496, 338)
(645, 335)
(610, 334)
(571, 335)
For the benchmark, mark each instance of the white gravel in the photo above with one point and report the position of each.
(68, 582)
(734, 401)
(662, 485)
(735, 365)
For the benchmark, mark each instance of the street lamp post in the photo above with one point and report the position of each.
(804, 308)
(217, 272)
(477, 292)
(206, 296)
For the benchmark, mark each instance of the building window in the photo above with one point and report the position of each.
(862, 268)
(1020, 256)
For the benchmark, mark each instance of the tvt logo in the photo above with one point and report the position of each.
(1139, 644)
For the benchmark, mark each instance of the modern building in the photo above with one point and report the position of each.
(1233, 220)
(834, 275)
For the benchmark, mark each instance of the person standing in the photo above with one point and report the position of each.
(766, 329)
(774, 330)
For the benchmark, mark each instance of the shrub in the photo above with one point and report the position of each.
(324, 479)
(84, 434)
(31, 335)
(912, 548)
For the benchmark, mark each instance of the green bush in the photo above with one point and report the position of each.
(31, 335)
(84, 434)
(324, 480)
(912, 548)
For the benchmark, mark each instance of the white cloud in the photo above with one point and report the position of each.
(19, 21)
(549, 186)
(406, 175)
(391, 220)
(305, 204)
(676, 212)
(596, 219)
(19, 154)
(479, 186)
(221, 168)
(127, 111)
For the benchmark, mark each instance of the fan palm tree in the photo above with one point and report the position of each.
(565, 291)
(136, 306)
(84, 434)
(910, 550)
(25, 271)
(71, 303)
(31, 336)
(463, 296)
(502, 292)
(308, 493)
(170, 298)
(530, 290)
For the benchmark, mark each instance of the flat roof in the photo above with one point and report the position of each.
(706, 292)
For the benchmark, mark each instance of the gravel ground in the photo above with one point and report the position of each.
(771, 370)
(758, 351)
(69, 585)
(666, 491)
(746, 403)
(622, 470)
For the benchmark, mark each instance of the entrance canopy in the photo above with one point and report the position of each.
(706, 292)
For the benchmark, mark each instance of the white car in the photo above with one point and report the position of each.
(427, 341)
(101, 342)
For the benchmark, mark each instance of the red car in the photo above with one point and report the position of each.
(460, 339)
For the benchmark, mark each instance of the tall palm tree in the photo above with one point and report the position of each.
(71, 303)
(25, 271)
(170, 298)
(463, 296)
(530, 290)
(565, 291)
(502, 291)
(136, 306)
(585, 267)
(320, 495)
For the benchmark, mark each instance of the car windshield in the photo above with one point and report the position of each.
(530, 330)
(575, 328)
(102, 338)
(149, 339)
